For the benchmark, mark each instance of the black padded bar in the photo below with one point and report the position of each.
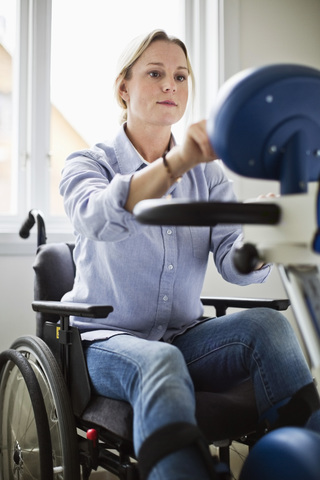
(70, 308)
(233, 302)
(187, 212)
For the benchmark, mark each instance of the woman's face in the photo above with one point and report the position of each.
(157, 91)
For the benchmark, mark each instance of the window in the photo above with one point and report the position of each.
(24, 44)
(8, 74)
(84, 57)
(56, 96)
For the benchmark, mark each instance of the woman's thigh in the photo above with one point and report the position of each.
(121, 365)
(257, 343)
(151, 376)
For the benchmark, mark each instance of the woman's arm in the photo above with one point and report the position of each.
(154, 181)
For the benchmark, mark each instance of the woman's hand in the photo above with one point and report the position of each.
(195, 149)
(197, 145)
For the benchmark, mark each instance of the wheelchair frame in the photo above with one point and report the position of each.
(47, 379)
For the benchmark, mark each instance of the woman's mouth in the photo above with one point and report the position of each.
(168, 103)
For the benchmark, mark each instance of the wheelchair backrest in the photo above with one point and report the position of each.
(54, 276)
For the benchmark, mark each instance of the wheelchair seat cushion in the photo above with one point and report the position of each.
(220, 416)
(113, 415)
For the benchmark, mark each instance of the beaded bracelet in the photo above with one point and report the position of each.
(167, 167)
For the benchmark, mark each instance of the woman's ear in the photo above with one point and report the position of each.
(123, 92)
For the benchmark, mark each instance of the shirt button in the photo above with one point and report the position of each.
(170, 267)
(165, 298)
(159, 327)
(169, 231)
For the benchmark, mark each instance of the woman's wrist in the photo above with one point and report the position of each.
(175, 164)
(168, 169)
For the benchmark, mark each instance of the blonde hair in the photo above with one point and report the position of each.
(134, 51)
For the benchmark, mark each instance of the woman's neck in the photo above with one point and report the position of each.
(150, 143)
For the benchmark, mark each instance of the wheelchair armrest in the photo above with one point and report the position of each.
(221, 304)
(69, 308)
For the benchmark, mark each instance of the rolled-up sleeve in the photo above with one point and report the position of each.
(94, 199)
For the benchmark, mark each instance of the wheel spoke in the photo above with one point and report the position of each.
(20, 455)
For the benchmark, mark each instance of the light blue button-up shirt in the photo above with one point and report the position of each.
(152, 275)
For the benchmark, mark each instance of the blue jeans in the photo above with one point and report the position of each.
(159, 379)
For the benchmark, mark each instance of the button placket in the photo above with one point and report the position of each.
(167, 280)
(170, 266)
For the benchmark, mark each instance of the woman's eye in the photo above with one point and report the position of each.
(154, 74)
(181, 78)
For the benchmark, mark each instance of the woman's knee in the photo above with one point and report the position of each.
(270, 331)
(270, 322)
(165, 375)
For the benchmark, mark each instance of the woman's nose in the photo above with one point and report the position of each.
(169, 86)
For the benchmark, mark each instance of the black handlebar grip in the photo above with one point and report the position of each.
(246, 258)
(27, 225)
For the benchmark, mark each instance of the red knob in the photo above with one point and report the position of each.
(92, 435)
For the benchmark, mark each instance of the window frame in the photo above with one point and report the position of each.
(32, 102)
(31, 127)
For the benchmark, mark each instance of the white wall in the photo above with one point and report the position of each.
(260, 32)
(257, 32)
(16, 293)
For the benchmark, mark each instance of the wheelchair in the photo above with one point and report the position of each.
(51, 425)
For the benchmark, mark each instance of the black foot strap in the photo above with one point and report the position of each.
(171, 438)
(299, 409)
(296, 412)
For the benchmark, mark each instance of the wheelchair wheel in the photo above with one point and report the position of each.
(19, 457)
(64, 444)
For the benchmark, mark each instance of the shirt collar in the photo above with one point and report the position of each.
(129, 159)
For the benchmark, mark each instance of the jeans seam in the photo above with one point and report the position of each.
(214, 350)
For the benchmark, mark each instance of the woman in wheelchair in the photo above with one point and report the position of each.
(156, 347)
